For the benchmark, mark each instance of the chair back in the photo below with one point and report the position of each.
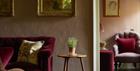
(129, 35)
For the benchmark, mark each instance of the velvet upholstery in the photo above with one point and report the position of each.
(106, 60)
(5, 54)
(44, 56)
(126, 45)
(129, 52)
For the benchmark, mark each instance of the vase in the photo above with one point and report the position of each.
(72, 51)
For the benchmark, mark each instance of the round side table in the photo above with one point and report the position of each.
(67, 57)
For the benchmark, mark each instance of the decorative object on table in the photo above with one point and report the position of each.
(103, 45)
(72, 44)
(56, 7)
(6, 7)
(111, 8)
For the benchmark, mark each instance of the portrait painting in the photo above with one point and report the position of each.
(111, 8)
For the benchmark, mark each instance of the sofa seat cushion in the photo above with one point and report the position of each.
(5, 54)
(128, 57)
(128, 54)
(23, 65)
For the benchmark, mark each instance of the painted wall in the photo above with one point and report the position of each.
(129, 18)
(27, 23)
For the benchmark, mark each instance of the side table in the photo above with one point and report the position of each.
(67, 57)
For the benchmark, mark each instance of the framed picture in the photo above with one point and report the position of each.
(56, 8)
(6, 8)
(111, 8)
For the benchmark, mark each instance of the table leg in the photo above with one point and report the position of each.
(81, 61)
(65, 64)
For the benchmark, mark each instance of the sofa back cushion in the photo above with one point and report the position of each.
(126, 44)
(28, 51)
(129, 35)
(15, 42)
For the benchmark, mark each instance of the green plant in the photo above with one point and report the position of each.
(72, 42)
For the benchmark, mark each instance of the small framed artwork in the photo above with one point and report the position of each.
(6, 7)
(56, 8)
(111, 8)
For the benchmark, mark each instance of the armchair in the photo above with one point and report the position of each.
(126, 48)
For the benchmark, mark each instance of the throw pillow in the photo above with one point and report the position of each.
(28, 51)
(126, 44)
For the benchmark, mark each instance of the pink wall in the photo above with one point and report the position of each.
(129, 18)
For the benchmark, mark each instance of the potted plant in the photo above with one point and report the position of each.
(72, 44)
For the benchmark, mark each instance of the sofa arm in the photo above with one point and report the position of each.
(116, 50)
(45, 53)
(106, 60)
(45, 58)
(6, 54)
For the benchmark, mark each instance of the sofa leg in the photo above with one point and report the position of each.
(120, 64)
(135, 65)
(116, 65)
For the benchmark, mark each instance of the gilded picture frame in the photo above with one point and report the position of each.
(56, 8)
(6, 7)
(111, 8)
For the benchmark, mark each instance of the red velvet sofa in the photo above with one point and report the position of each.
(106, 60)
(12, 44)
